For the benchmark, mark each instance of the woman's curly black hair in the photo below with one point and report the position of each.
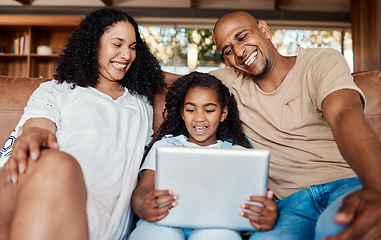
(229, 129)
(78, 64)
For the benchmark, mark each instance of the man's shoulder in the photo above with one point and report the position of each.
(223, 72)
(227, 75)
(318, 52)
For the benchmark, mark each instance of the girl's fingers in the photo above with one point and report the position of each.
(254, 208)
(160, 207)
(267, 202)
(160, 193)
(261, 227)
(164, 209)
(158, 218)
(158, 203)
(167, 200)
(262, 223)
(270, 194)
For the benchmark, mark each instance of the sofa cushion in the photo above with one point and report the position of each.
(14, 95)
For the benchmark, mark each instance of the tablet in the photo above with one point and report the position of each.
(211, 184)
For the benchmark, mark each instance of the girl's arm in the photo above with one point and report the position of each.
(37, 133)
(150, 204)
(266, 216)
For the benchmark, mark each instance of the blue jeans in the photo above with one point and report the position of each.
(308, 214)
(151, 231)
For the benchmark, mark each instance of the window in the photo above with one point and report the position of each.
(170, 45)
(288, 41)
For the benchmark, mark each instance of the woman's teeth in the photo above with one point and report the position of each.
(119, 65)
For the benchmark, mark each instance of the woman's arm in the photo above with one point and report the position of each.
(37, 133)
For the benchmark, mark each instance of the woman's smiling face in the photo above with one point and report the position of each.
(116, 51)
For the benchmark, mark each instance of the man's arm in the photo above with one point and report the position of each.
(169, 78)
(357, 143)
(359, 146)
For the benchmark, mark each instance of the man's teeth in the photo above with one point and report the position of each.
(119, 65)
(251, 58)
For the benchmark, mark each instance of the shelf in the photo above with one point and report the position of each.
(54, 55)
(12, 55)
(52, 31)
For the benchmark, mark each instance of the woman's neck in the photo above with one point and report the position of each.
(113, 89)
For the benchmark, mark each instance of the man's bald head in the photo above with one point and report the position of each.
(234, 16)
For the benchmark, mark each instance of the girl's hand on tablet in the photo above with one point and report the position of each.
(264, 217)
(157, 204)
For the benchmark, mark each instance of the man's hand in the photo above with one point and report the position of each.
(28, 144)
(362, 211)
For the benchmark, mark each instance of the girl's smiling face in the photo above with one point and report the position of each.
(202, 115)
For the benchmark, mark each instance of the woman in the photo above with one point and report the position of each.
(88, 129)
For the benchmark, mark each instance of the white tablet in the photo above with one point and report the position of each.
(211, 184)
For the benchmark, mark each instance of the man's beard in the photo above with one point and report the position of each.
(264, 73)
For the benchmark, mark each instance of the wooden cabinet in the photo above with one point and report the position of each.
(51, 31)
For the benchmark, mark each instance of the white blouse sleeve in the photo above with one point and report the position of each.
(43, 103)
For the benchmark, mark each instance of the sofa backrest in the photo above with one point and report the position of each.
(370, 83)
(14, 95)
(15, 92)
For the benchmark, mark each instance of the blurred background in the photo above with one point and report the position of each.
(179, 32)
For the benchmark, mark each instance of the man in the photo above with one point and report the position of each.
(308, 112)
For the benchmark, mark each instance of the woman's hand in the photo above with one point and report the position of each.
(265, 217)
(157, 204)
(28, 144)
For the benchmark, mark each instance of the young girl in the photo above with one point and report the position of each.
(200, 113)
(99, 112)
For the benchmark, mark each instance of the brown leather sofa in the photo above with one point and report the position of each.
(15, 92)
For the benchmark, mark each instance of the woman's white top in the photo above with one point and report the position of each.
(107, 137)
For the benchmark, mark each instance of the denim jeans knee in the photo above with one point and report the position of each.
(147, 230)
(300, 212)
(326, 226)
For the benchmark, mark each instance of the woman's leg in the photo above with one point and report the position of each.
(214, 234)
(147, 230)
(48, 202)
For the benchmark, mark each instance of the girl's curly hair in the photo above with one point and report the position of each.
(78, 64)
(230, 129)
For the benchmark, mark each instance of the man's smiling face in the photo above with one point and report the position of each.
(245, 44)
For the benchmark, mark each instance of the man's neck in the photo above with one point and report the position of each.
(279, 72)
